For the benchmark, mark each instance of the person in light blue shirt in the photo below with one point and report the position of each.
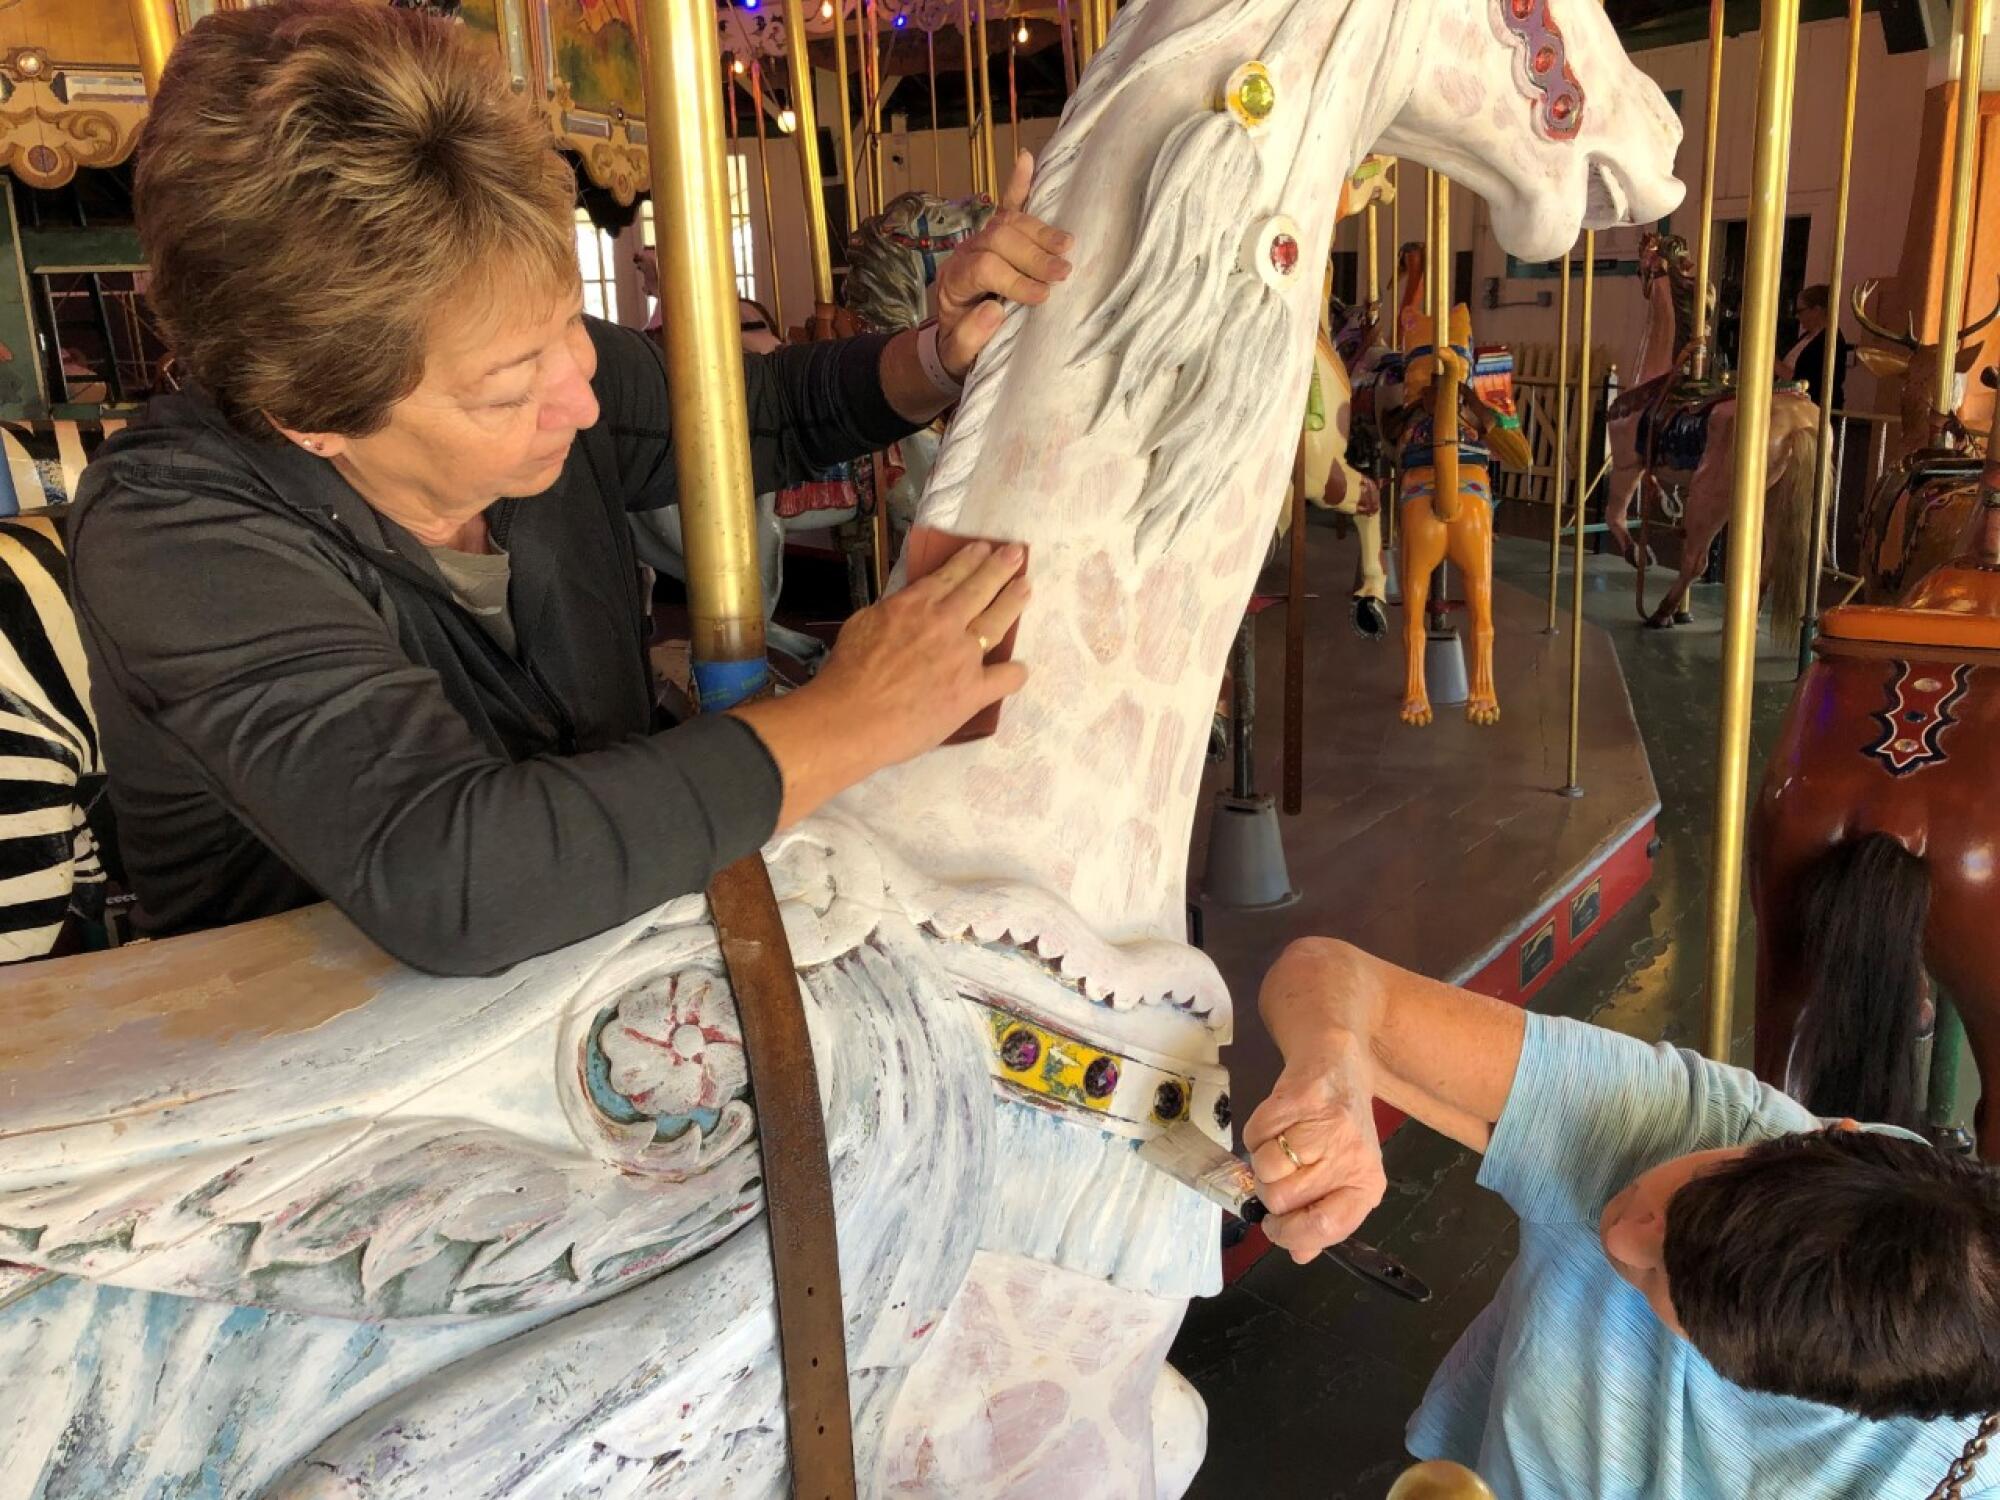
(1717, 1295)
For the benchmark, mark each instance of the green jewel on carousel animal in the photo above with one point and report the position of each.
(1447, 495)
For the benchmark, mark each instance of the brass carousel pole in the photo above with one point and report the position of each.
(1393, 505)
(1823, 487)
(1068, 47)
(1371, 230)
(846, 123)
(1958, 249)
(1746, 545)
(805, 136)
(703, 344)
(1705, 229)
(764, 171)
(1559, 480)
(1013, 96)
(704, 355)
(878, 186)
(156, 28)
(1573, 784)
(937, 135)
(993, 182)
(971, 93)
(1086, 33)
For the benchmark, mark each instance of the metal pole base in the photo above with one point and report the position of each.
(1444, 669)
(1571, 791)
(1394, 591)
(1246, 856)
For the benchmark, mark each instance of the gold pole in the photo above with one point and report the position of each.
(937, 135)
(1958, 249)
(1068, 46)
(1086, 38)
(993, 183)
(1746, 544)
(1430, 255)
(703, 344)
(1013, 100)
(1559, 481)
(1705, 230)
(764, 171)
(971, 93)
(155, 27)
(1445, 495)
(1573, 786)
(1823, 485)
(1371, 228)
(805, 138)
(846, 124)
(878, 186)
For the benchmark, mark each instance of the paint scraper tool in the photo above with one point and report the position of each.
(1196, 1162)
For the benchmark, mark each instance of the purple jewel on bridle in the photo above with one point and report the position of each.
(1558, 97)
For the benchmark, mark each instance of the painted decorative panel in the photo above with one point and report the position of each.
(594, 89)
(70, 91)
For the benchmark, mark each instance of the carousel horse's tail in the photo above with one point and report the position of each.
(1861, 907)
(1788, 533)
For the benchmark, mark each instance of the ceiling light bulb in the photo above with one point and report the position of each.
(1021, 34)
(737, 67)
(787, 121)
(826, 10)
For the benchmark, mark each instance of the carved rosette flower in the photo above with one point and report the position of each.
(674, 1047)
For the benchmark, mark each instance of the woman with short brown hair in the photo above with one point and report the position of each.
(359, 603)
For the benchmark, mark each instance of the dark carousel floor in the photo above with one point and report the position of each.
(1309, 1377)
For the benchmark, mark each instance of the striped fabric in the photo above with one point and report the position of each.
(49, 758)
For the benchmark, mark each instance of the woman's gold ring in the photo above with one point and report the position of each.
(1286, 1147)
(984, 645)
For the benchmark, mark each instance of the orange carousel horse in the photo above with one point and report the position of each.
(1874, 852)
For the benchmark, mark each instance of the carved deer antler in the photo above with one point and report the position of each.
(1862, 292)
(1966, 335)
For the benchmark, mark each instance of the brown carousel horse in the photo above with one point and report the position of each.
(1668, 428)
(1874, 854)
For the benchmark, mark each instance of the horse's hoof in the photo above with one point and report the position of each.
(1482, 711)
(1371, 621)
(1682, 617)
(1416, 711)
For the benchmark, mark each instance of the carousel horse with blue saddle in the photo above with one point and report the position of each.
(1446, 497)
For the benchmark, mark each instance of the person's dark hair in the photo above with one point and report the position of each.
(1815, 297)
(1848, 1267)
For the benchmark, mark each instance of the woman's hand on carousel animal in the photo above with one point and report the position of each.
(1014, 258)
(903, 675)
(1314, 1149)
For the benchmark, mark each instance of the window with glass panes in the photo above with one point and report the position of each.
(600, 280)
(742, 245)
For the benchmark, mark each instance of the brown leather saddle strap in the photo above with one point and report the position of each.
(798, 1183)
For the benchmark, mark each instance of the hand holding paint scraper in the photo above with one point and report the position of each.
(1188, 1156)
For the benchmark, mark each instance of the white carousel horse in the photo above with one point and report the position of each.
(1332, 483)
(287, 1220)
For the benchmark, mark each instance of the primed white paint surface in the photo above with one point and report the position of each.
(415, 1251)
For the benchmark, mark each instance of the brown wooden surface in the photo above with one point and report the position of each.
(1426, 846)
